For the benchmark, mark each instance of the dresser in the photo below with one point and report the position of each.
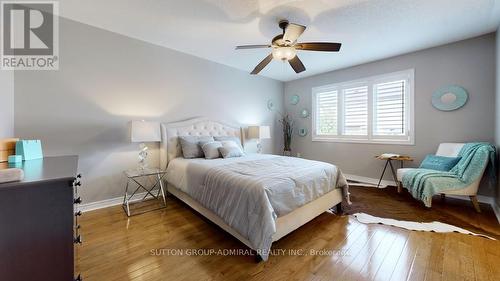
(39, 222)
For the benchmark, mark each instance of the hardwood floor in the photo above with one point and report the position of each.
(391, 204)
(118, 248)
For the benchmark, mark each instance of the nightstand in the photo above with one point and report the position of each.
(388, 158)
(148, 189)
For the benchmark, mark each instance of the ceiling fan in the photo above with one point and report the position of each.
(285, 47)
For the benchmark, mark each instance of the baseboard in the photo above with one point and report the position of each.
(109, 202)
(369, 181)
(481, 198)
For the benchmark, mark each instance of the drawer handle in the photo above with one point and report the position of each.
(79, 213)
(77, 200)
(79, 278)
(78, 183)
(78, 240)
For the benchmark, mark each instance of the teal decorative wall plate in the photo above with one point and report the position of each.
(294, 99)
(270, 105)
(449, 98)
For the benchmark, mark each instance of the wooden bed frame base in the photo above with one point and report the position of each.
(284, 224)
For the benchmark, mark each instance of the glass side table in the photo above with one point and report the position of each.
(150, 182)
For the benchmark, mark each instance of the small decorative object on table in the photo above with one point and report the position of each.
(29, 149)
(259, 133)
(10, 175)
(287, 134)
(389, 157)
(133, 177)
(143, 131)
(7, 148)
(13, 159)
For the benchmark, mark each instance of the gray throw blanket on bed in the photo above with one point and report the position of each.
(250, 195)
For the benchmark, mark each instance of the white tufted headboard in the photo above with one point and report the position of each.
(170, 147)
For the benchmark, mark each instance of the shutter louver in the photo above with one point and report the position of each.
(356, 111)
(327, 113)
(389, 101)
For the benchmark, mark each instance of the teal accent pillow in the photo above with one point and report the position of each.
(439, 163)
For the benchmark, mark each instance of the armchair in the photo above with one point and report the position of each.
(450, 150)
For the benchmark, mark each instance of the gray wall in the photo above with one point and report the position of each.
(106, 79)
(469, 63)
(6, 104)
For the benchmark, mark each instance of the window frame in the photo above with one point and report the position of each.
(407, 139)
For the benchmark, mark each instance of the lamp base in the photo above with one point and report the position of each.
(143, 157)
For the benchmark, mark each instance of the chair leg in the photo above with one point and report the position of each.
(475, 203)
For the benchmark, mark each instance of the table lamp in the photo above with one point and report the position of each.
(259, 133)
(142, 132)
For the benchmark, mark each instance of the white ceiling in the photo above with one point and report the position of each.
(368, 29)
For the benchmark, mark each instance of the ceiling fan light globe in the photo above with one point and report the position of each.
(284, 53)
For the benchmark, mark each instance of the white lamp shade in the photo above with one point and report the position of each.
(259, 132)
(144, 131)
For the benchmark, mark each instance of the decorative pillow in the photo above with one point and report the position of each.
(230, 149)
(439, 163)
(190, 145)
(236, 140)
(211, 149)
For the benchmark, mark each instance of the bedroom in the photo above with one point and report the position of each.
(175, 65)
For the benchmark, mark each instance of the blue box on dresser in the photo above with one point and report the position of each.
(29, 149)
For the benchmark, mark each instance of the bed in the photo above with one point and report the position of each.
(258, 198)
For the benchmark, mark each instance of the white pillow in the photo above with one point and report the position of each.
(230, 138)
(230, 149)
(211, 149)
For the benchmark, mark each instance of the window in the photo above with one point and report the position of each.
(372, 110)
(327, 113)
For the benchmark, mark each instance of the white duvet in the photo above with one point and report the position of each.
(250, 192)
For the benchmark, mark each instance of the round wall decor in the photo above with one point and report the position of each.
(449, 98)
(304, 113)
(294, 99)
(270, 105)
(303, 132)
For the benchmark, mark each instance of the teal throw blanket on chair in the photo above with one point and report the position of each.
(425, 183)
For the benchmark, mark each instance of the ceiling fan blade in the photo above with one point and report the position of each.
(262, 64)
(319, 46)
(292, 32)
(252, 47)
(297, 64)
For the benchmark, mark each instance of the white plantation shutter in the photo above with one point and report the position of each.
(389, 105)
(355, 111)
(376, 109)
(327, 113)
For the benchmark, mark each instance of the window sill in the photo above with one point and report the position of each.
(364, 141)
